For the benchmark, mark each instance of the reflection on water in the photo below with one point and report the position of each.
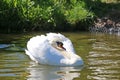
(44, 72)
(12, 65)
(4, 45)
(100, 52)
(104, 59)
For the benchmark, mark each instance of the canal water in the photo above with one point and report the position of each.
(100, 52)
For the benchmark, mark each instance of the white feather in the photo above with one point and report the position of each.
(42, 49)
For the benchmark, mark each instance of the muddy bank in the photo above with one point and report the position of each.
(110, 23)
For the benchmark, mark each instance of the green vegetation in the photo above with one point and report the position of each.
(62, 15)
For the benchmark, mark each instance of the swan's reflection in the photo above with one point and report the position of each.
(42, 72)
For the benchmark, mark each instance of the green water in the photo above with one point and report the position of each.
(100, 52)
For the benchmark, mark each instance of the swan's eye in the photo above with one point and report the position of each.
(59, 43)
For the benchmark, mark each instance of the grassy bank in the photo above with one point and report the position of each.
(51, 15)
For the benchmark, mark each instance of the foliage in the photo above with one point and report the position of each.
(78, 13)
(40, 14)
(28, 15)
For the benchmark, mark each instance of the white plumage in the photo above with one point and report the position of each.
(43, 49)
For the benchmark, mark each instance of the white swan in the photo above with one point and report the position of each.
(46, 50)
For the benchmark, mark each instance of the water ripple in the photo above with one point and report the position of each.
(104, 61)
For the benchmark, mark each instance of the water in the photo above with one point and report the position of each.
(100, 52)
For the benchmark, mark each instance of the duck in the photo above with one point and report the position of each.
(52, 49)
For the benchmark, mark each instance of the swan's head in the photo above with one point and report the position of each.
(60, 42)
(60, 45)
(57, 44)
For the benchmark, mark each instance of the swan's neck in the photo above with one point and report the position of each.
(65, 54)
